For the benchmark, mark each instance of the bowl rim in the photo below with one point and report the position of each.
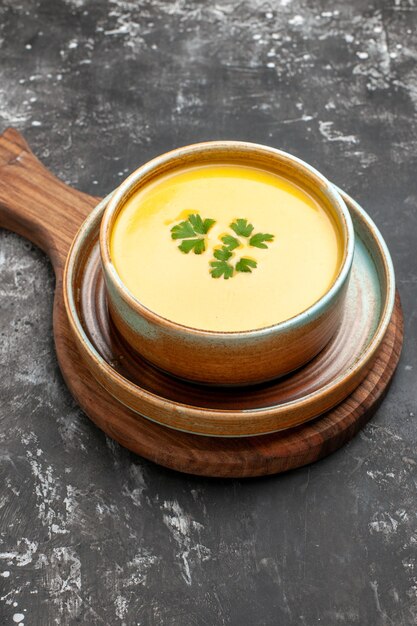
(162, 162)
(204, 415)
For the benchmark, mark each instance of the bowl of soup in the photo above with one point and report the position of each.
(226, 262)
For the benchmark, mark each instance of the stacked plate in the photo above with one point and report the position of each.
(217, 411)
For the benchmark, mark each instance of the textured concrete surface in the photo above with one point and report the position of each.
(92, 534)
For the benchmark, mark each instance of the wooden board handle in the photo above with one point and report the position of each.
(36, 204)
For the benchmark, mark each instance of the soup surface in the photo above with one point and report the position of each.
(225, 247)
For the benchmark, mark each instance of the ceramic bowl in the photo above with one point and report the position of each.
(228, 358)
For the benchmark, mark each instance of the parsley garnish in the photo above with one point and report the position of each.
(222, 254)
(182, 230)
(230, 242)
(197, 245)
(257, 241)
(191, 227)
(201, 227)
(221, 268)
(192, 231)
(242, 228)
(245, 265)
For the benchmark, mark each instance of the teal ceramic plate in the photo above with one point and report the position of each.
(287, 402)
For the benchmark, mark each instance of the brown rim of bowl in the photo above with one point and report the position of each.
(172, 160)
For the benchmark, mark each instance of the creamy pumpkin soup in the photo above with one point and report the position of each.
(225, 247)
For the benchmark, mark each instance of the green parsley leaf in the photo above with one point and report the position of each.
(183, 230)
(245, 265)
(222, 254)
(201, 227)
(197, 223)
(257, 241)
(231, 242)
(189, 244)
(221, 268)
(242, 228)
(208, 223)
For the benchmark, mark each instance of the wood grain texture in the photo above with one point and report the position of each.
(35, 204)
(234, 457)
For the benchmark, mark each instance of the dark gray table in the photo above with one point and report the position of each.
(92, 534)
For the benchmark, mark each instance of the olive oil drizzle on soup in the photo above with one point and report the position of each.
(294, 269)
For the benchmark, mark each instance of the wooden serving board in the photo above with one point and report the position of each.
(35, 204)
